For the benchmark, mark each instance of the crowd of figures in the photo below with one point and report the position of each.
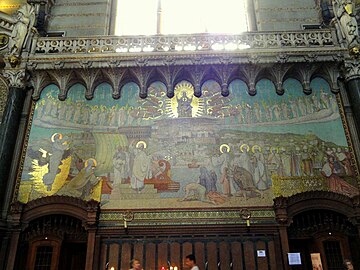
(245, 113)
(247, 171)
(239, 170)
(80, 113)
(287, 109)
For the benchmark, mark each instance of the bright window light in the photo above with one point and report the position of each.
(139, 17)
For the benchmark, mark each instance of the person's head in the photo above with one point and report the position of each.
(348, 264)
(190, 260)
(135, 264)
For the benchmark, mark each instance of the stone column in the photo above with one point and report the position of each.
(352, 84)
(251, 15)
(10, 124)
(280, 207)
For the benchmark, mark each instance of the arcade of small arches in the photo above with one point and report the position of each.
(171, 76)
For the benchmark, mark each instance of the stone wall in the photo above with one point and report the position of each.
(278, 15)
(81, 17)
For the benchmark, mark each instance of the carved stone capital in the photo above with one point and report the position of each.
(15, 77)
(351, 70)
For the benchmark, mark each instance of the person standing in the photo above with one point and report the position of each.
(190, 262)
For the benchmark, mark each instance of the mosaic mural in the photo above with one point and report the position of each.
(187, 152)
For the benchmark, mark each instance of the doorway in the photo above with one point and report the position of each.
(327, 233)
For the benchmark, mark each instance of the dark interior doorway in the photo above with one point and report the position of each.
(72, 256)
(327, 233)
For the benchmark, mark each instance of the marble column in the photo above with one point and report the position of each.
(352, 84)
(10, 126)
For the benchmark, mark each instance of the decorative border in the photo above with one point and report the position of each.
(23, 151)
(348, 135)
(186, 217)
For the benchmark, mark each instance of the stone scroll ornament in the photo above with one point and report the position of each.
(347, 24)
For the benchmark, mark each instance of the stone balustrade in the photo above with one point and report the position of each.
(186, 43)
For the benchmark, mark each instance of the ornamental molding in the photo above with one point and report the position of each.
(171, 217)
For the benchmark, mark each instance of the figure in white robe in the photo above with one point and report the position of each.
(141, 168)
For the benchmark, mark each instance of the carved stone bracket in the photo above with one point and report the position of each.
(15, 77)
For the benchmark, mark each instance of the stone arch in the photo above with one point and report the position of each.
(319, 200)
(61, 205)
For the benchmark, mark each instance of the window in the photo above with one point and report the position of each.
(139, 17)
